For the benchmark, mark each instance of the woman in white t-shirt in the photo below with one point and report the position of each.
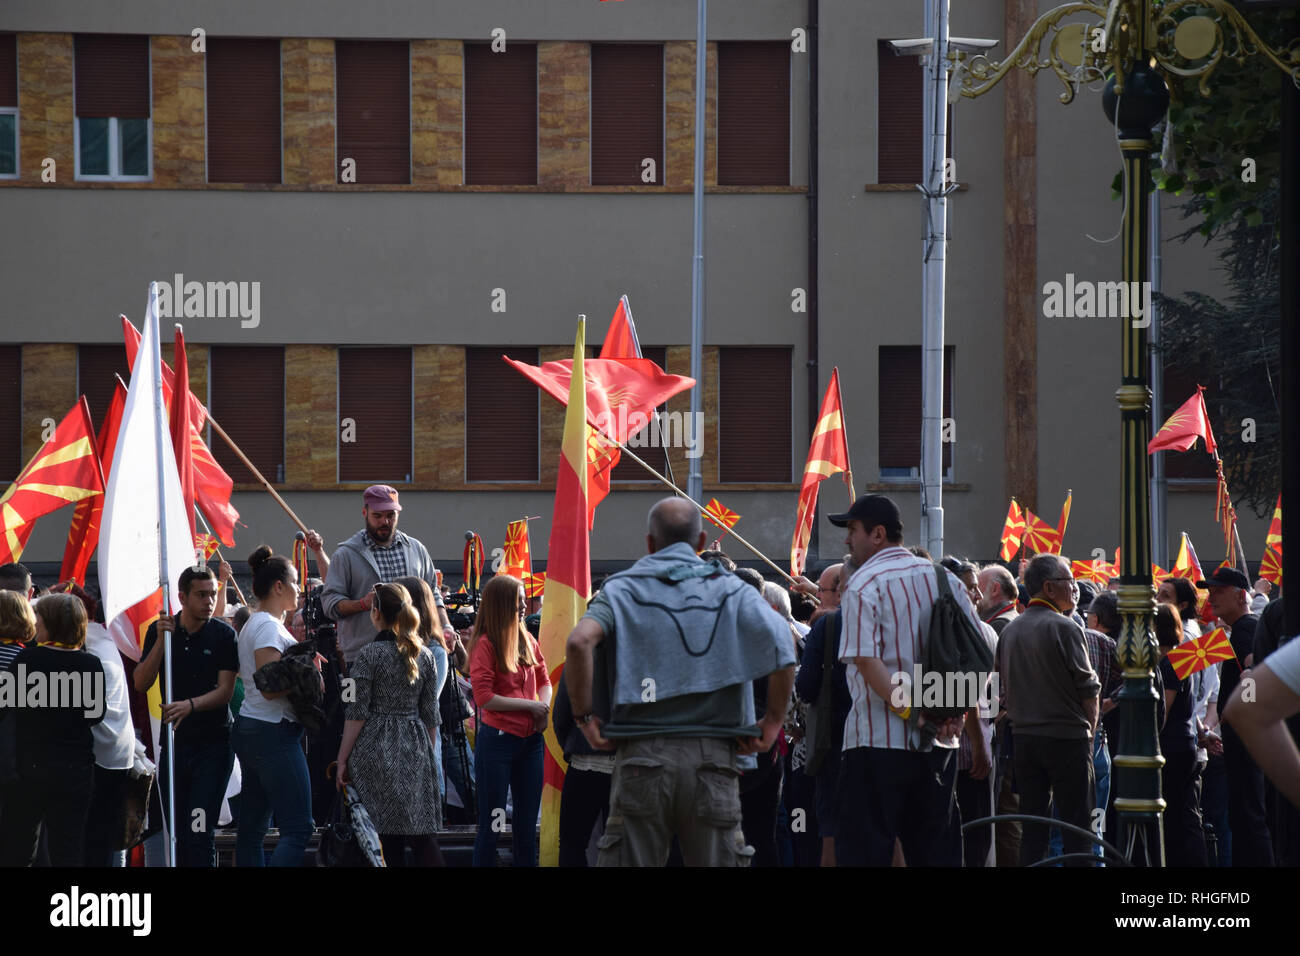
(267, 736)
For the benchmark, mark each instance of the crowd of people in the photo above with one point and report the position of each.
(707, 717)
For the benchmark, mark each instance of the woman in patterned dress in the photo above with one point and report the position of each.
(430, 631)
(388, 739)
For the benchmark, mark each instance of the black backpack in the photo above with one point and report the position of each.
(954, 645)
(820, 721)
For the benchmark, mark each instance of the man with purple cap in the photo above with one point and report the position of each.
(377, 553)
(1252, 845)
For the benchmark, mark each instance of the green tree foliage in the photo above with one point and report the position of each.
(1232, 346)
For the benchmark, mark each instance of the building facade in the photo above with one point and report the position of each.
(356, 216)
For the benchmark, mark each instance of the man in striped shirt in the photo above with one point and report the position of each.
(890, 789)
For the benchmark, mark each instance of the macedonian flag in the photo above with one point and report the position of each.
(64, 470)
(828, 453)
(517, 560)
(1270, 569)
(1189, 423)
(1197, 654)
(720, 514)
(1013, 530)
(1275, 526)
(1040, 536)
(568, 585)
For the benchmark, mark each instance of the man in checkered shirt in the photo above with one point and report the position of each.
(377, 553)
(888, 788)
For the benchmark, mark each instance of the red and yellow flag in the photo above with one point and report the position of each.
(1189, 423)
(181, 426)
(568, 586)
(65, 469)
(1040, 536)
(1275, 527)
(828, 453)
(1197, 654)
(719, 514)
(207, 544)
(1270, 568)
(535, 586)
(1013, 530)
(1158, 574)
(517, 561)
(1098, 572)
(83, 533)
(1187, 565)
(1065, 514)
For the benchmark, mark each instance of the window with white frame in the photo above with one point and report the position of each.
(113, 128)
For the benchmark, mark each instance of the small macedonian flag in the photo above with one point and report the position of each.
(1195, 655)
(64, 470)
(517, 561)
(720, 514)
(1098, 572)
(1275, 526)
(1270, 569)
(1040, 536)
(535, 586)
(1013, 530)
(207, 544)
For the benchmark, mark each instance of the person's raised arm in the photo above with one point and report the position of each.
(316, 545)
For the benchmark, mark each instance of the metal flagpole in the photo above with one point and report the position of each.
(164, 575)
(694, 477)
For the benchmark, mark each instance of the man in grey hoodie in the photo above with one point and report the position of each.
(377, 553)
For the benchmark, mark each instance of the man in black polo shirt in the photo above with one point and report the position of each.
(205, 662)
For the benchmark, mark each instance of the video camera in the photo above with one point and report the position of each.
(461, 610)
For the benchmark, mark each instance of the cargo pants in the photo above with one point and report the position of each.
(686, 787)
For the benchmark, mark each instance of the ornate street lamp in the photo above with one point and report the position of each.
(1132, 45)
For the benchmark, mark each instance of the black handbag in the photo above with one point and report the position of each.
(344, 845)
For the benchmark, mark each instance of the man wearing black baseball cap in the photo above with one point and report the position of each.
(889, 788)
(1252, 844)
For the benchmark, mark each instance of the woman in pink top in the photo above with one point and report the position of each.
(513, 692)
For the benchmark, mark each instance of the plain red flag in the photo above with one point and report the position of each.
(180, 428)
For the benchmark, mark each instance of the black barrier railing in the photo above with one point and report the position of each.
(1118, 857)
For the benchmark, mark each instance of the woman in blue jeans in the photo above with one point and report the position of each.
(268, 736)
(513, 692)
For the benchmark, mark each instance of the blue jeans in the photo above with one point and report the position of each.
(275, 779)
(202, 772)
(1101, 768)
(503, 761)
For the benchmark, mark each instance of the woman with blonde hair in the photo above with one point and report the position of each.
(55, 747)
(430, 631)
(512, 689)
(387, 751)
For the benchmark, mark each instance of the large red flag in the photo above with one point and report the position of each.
(83, 534)
(1190, 422)
(568, 583)
(1040, 536)
(828, 453)
(65, 469)
(602, 457)
(180, 429)
(621, 341)
(212, 486)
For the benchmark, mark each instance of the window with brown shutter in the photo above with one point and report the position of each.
(112, 99)
(501, 115)
(1179, 385)
(246, 389)
(11, 425)
(8, 105)
(627, 113)
(375, 412)
(243, 111)
(754, 414)
(501, 417)
(655, 454)
(97, 368)
(754, 114)
(900, 408)
(900, 117)
(374, 109)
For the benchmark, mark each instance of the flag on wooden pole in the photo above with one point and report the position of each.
(568, 583)
(828, 453)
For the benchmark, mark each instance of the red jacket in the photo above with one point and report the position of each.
(488, 679)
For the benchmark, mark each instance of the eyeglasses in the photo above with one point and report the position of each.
(1074, 585)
